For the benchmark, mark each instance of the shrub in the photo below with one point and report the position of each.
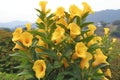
(117, 22)
(7, 63)
(63, 46)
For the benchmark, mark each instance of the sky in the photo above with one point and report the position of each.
(24, 10)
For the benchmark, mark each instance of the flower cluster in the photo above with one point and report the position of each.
(63, 46)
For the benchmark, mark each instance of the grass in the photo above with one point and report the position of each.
(6, 76)
(115, 61)
(4, 34)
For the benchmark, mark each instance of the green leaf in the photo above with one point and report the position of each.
(48, 41)
(87, 39)
(18, 55)
(34, 54)
(52, 29)
(38, 11)
(34, 42)
(67, 15)
(50, 16)
(57, 64)
(85, 24)
(93, 47)
(97, 76)
(41, 14)
(23, 66)
(50, 53)
(65, 75)
(52, 75)
(85, 15)
(78, 20)
(38, 33)
(23, 72)
(40, 25)
(84, 32)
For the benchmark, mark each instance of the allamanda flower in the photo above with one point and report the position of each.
(106, 31)
(43, 5)
(80, 51)
(39, 67)
(26, 39)
(108, 73)
(28, 26)
(62, 21)
(40, 43)
(99, 58)
(39, 21)
(74, 29)
(114, 40)
(16, 34)
(74, 11)
(58, 34)
(86, 9)
(60, 12)
(17, 46)
(92, 28)
(85, 61)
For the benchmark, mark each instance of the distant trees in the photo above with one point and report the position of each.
(116, 33)
(6, 29)
(116, 22)
(103, 23)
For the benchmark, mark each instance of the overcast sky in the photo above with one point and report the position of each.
(24, 10)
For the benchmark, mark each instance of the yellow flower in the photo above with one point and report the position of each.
(62, 21)
(48, 11)
(100, 71)
(16, 37)
(87, 8)
(74, 11)
(40, 43)
(60, 12)
(17, 46)
(108, 73)
(110, 48)
(80, 51)
(17, 34)
(92, 28)
(39, 20)
(114, 40)
(99, 58)
(64, 61)
(28, 26)
(106, 31)
(26, 39)
(43, 5)
(17, 31)
(39, 67)
(74, 29)
(58, 34)
(98, 38)
(41, 30)
(85, 61)
(91, 42)
(104, 78)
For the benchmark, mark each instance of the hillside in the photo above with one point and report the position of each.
(13, 24)
(4, 34)
(105, 15)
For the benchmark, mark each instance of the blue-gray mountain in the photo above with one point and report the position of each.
(105, 15)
